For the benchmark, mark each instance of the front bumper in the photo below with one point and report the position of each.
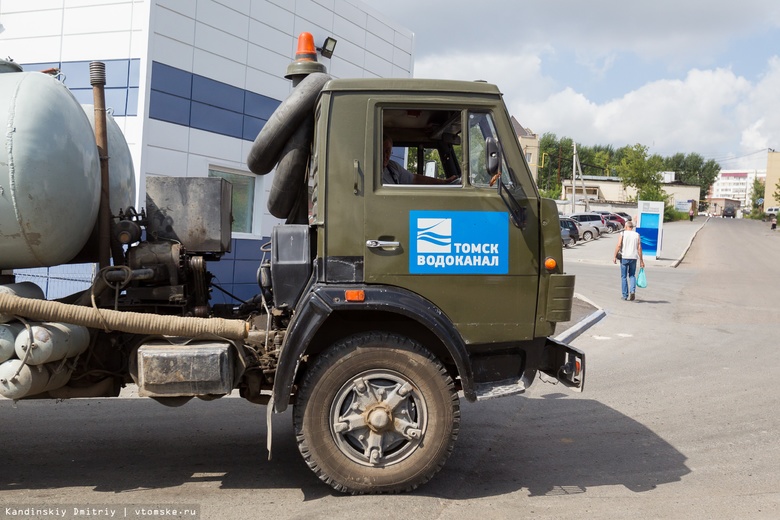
(565, 363)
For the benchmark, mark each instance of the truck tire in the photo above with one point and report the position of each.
(269, 143)
(376, 413)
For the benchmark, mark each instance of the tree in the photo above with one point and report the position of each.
(642, 172)
(693, 170)
(776, 194)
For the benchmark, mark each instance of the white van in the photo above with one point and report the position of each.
(772, 211)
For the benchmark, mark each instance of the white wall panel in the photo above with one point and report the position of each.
(271, 38)
(345, 30)
(32, 24)
(314, 13)
(185, 7)
(83, 3)
(109, 46)
(271, 85)
(274, 15)
(98, 19)
(348, 51)
(347, 9)
(404, 42)
(380, 29)
(219, 68)
(223, 18)
(378, 65)
(345, 69)
(15, 6)
(268, 61)
(172, 52)
(168, 135)
(162, 161)
(242, 6)
(221, 43)
(175, 26)
(215, 145)
(32, 50)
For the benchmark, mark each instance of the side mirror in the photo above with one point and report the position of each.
(493, 158)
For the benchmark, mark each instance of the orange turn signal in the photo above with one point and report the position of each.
(550, 264)
(356, 295)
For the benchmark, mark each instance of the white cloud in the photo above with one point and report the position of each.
(519, 72)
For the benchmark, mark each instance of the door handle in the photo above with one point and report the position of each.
(382, 244)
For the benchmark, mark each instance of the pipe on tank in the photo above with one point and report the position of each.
(97, 78)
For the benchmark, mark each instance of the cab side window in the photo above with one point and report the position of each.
(421, 147)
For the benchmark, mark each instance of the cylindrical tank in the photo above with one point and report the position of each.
(53, 342)
(49, 172)
(121, 175)
(23, 289)
(30, 380)
(8, 333)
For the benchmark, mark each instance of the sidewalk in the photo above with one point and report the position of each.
(677, 239)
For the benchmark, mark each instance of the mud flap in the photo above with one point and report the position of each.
(565, 363)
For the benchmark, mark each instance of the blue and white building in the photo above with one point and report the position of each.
(191, 83)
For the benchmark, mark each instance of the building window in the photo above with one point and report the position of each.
(528, 157)
(243, 197)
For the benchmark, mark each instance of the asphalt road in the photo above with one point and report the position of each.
(678, 420)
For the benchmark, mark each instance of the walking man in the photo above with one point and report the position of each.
(630, 247)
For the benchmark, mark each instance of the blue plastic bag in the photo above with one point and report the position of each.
(641, 278)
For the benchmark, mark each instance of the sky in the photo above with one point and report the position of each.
(684, 76)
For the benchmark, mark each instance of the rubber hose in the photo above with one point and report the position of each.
(290, 177)
(287, 117)
(133, 322)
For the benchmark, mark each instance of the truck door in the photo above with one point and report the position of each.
(454, 244)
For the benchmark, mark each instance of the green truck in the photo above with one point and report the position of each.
(381, 304)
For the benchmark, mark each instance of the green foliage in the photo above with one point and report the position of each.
(757, 192)
(776, 194)
(631, 163)
(672, 215)
(554, 193)
(642, 172)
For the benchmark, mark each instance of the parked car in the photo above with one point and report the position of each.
(623, 214)
(587, 231)
(614, 221)
(772, 211)
(729, 212)
(594, 219)
(566, 238)
(573, 226)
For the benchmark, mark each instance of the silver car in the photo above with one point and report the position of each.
(594, 219)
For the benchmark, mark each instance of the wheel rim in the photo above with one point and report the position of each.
(378, 418)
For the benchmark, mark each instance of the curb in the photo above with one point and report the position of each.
(690, 242)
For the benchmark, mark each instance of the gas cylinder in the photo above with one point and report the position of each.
(30, 380)
(52, 342)
(8, 333)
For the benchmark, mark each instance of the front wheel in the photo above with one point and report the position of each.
(587, 236)
(376, 413)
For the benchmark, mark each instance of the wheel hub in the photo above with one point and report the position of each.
(378, 418)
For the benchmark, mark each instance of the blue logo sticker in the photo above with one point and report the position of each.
(458, 242)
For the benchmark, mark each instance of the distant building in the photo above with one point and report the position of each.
(529, 142)
(610, 189)
(735, 185)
